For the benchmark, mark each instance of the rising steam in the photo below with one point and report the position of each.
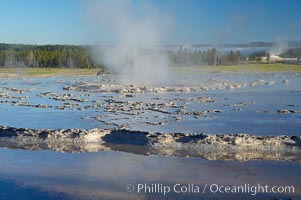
(137, 56)
(279, 47)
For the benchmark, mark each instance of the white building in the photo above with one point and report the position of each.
(275, 58)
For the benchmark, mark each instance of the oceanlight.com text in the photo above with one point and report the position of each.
(252, 189)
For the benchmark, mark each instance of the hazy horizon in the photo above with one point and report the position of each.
(205, 44)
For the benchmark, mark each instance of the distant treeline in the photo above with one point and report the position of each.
(213, 57)
(15, 55)
(292, 53)
(209, 57)
(72, 56)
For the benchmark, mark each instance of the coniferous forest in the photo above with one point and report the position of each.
(72, 56)
(45, 56)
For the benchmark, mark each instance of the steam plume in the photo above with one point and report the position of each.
(137, 56)
(280, 47)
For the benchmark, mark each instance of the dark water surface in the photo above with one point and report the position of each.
(105, 175)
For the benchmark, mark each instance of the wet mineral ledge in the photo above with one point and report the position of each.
(239, 147)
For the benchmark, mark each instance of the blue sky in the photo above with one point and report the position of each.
(193, 21)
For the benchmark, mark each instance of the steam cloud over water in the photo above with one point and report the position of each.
(137, 56)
